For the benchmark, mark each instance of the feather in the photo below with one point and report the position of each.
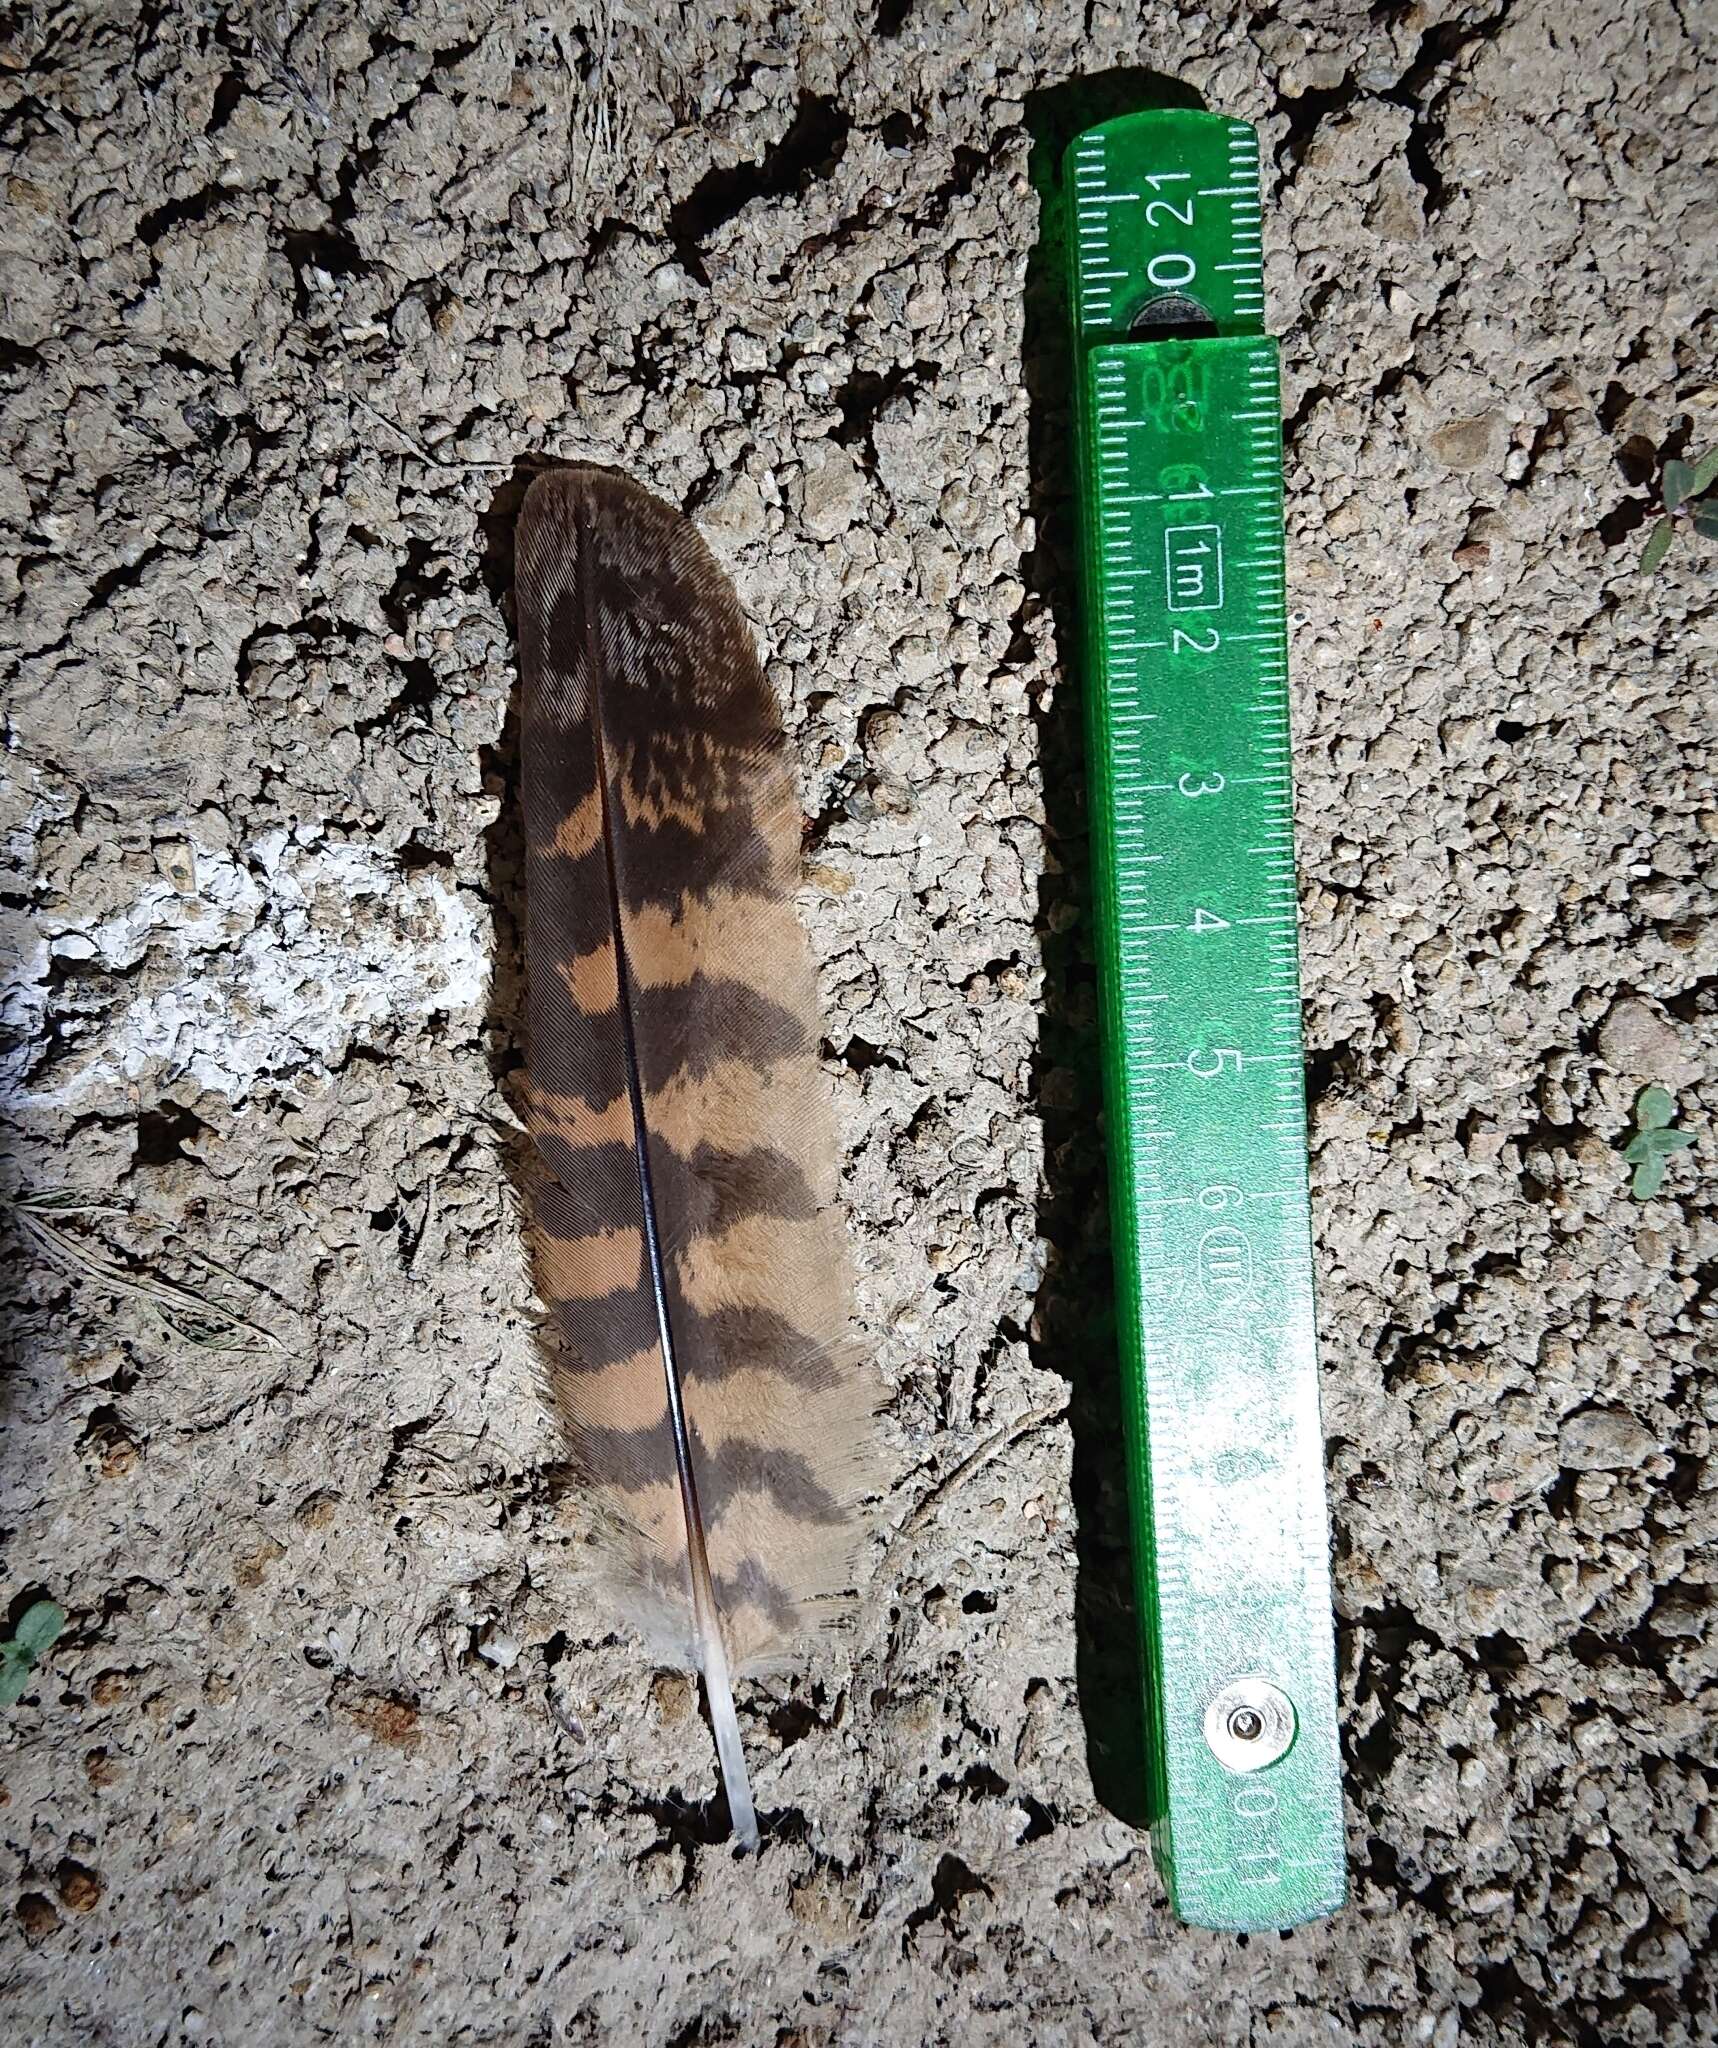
(715, 1405)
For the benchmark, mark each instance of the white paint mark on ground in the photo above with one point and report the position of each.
(272, 960)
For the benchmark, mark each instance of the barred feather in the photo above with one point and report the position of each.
(704, 1367)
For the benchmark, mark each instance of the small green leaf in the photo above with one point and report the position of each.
(1705, 473)
(15, 1671)
(1678, 483)
(1706, 519)
(39, 1627)
(1653, 1141)
(1655, 1144)
(1657, 546)
(1654, 1109)
(1665, 1142)
(1649, 1148)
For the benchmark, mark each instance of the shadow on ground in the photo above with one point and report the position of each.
(504, 841)
(1073, 1329)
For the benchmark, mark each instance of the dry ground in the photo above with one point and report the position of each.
(338, 1746)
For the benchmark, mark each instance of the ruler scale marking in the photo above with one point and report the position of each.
(1191, 804)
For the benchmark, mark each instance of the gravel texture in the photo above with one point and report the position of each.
(338, 1745)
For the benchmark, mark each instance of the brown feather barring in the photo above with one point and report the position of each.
(703, 1366)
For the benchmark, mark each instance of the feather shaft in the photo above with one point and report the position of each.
(713, 1655)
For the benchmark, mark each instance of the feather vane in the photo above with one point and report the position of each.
(686, 1242)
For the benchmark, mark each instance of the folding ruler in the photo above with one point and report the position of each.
(1186, 670)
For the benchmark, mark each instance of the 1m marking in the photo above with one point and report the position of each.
(1193, 567)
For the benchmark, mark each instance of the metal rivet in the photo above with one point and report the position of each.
(1249, 1724)
(1176, 314)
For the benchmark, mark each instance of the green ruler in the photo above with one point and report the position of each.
(1180, 451)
